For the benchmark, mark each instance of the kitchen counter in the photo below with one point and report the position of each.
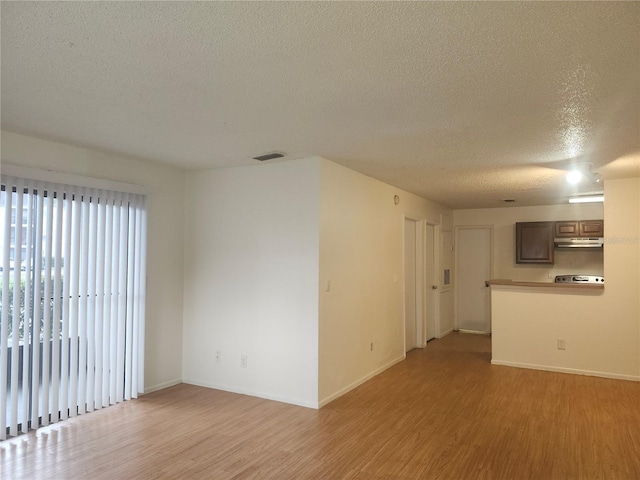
(514, 283)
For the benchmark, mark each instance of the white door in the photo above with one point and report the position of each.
(431, 284)
(409, 284)
(473, 268)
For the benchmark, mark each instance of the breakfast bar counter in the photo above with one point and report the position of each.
(514, 283)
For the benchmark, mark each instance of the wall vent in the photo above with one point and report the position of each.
(269, 156)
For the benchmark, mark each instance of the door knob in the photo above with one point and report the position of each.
(434, 287)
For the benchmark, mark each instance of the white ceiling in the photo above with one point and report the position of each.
(463, 103)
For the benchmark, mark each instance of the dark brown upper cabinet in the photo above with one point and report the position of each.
(592, 228)
(582, 228)
(568, 229)
(534, 242)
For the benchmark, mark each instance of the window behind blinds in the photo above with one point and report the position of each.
(72, 301)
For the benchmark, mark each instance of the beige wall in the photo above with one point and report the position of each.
(503, 221)
(361, 275)
(165, 208)
(601, 329)
(251, 280)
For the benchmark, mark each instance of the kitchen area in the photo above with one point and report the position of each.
(550, 307)
(540, 243)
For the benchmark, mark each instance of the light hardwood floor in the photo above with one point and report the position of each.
(445, 413)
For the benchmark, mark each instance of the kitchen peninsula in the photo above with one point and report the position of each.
(546, 325)
(514, 283)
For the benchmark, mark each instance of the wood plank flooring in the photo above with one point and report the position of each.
(445, 413)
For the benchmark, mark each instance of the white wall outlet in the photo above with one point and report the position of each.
(218, 356)
(549, 275)
(561, 344)
(243, 361)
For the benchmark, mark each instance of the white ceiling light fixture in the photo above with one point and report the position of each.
(574, 177)
(587, 199)
(582, 172)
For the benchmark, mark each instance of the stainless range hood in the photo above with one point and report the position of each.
(581, 242)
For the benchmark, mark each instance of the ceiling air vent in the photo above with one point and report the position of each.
(269, 156)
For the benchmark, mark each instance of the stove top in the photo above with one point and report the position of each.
(593, 279)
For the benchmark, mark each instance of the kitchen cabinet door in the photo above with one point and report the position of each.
(534, 242)
(568, 229)
(592, 228)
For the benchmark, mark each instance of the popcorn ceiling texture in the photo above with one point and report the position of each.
(462, 103)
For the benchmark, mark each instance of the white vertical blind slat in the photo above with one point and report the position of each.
(48, 339)
(38, 307)
(100, 300)
(115, 275)
(122, 300)
(130, 301)
(83, 304)
(108, 300)
(66, 306)
(15, 320)
(142, 298)
(57, 309)
(4, 319)
(89, 389)
(74, 304)
(27, 344)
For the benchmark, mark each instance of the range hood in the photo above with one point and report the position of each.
(579, 242)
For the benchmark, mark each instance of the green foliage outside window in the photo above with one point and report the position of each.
(11, 307)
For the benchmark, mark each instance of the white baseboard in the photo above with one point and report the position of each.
(445, 333)
(573, 371)
(359, 382)
(474, 332)
(251, 393)
(161, 386)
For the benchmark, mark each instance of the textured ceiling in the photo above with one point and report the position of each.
(465, 103)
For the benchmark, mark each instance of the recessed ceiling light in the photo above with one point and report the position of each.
(269, 156)
(587, 199)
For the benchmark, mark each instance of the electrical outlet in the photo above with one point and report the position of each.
(561, 344)
(371, 347)
(218, 355)
(243, 361)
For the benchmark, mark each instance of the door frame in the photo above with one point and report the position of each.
(419, 280)
(456, 229)
(435, 281)
(422, 282)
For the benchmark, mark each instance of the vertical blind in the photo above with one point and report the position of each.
(72, 301)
